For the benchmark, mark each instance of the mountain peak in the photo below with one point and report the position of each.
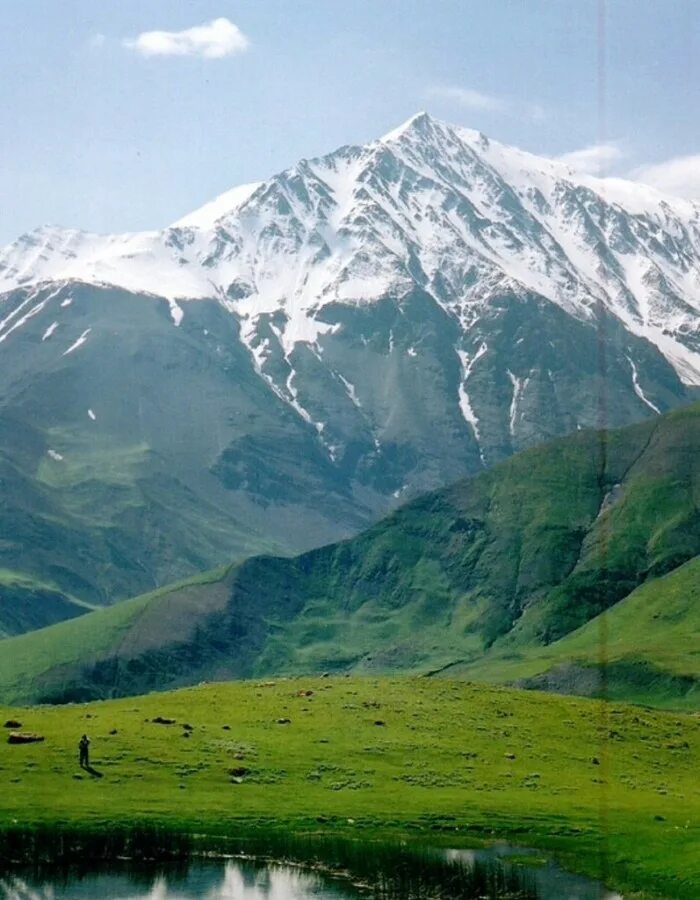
(429, 204)
(422, 125)
(421, 122)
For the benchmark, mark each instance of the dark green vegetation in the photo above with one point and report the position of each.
(611, 788)
(151, 452)
(477, 578)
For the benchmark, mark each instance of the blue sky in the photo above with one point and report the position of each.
(108, 127)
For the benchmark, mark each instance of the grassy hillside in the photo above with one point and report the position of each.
(603, 785)
(513, 559)
(41, 657)
(649, 642)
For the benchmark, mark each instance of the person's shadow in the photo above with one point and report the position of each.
(89, 769)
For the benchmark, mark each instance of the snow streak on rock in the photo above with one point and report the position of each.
(519, 385)
(81, 340)
(12, 323)
(464, 401)
(350, 389)
(638, 389)
(49, 331)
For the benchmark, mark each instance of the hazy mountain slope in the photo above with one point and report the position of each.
(516, 557)
(286, 365)
(26, 604)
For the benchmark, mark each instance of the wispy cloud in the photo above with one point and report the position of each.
(679, 176)
(595, 159)
(212, 40)
(468, 98)
(95, 41)
(479, 101)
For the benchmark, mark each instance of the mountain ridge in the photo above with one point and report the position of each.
(338, 189)
(359, 329)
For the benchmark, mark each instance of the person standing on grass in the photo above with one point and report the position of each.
(84, 752)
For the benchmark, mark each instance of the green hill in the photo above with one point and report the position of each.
(650, 643)
(499, 565)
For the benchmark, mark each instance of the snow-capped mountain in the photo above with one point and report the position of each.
(360, 327)
(431, 205)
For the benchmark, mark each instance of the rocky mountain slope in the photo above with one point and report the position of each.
(491, 577)
(287, 364)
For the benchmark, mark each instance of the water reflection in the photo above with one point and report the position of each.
(484, 873)
(550, 881)
(198, 881)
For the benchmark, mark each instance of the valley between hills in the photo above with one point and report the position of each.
(501, 577)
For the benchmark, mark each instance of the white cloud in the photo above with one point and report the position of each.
(212, 40)
(95, 41)
(469, 98)
(594, 159)
(679, 176)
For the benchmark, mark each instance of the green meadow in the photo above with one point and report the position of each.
(611, 789)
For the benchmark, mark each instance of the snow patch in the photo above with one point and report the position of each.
(92, 415)
(638, 388)
(224, 205)
(49, 331)
(465, 405)
(175, 312)
(11, 326)
(81, 340)
(55, 455)
(7, 320)
(519, 385)
(351, 392)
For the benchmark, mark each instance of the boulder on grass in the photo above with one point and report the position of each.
(24, 737)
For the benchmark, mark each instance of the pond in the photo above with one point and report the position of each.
(201, 880)
(548, 879)
(459, 874)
